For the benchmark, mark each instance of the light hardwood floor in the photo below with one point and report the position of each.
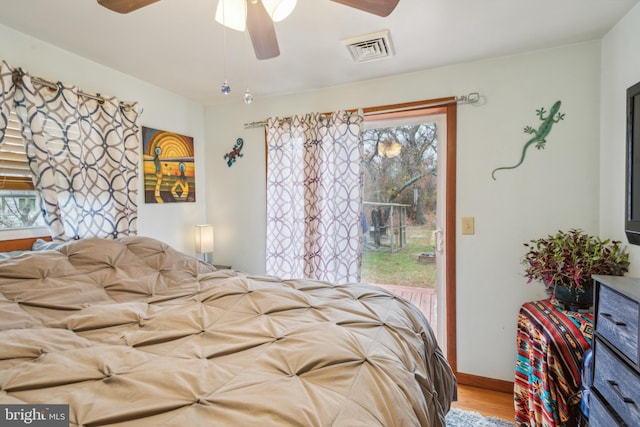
(487, 402)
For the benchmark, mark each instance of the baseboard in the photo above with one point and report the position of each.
(484, 382)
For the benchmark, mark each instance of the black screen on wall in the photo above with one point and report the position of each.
(632, 208)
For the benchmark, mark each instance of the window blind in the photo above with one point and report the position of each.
(14, 167)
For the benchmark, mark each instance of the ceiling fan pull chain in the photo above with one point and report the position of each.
(247, 97)
(225, 88)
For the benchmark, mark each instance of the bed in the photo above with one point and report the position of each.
(131, 332)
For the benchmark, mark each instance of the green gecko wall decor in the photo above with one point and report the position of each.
(539, 135)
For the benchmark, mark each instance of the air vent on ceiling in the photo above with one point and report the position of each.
(370, 47)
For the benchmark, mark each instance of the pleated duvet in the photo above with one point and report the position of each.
(131, 332)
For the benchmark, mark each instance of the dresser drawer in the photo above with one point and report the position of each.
(617, 321)
(617, 383)
(599, 415)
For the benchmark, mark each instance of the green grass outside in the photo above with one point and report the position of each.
(402, 267)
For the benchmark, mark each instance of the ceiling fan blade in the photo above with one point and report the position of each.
(262, 31)
(377, 7)
(125, 6)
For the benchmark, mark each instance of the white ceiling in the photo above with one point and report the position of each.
(176, 44)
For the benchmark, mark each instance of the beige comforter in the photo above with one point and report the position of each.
(132, 332)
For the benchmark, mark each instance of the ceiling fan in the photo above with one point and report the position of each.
(259, 23)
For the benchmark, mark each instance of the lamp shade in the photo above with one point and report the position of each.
(204, 238)
(233, 13)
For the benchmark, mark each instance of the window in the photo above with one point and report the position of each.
(19, 203)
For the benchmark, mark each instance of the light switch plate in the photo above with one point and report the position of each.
(468, 225)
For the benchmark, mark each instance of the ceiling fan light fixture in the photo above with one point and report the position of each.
(278, 10)
(234, 13)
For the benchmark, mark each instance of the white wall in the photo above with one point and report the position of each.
(172, 223)
(620, 70)
(555, 188)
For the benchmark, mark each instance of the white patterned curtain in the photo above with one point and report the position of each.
(83, 155)
(314, 197)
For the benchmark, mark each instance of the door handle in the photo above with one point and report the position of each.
(439, 243)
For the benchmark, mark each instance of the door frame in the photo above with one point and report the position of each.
(448, 107)
(450, 236)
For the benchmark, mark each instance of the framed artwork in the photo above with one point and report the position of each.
(169, 172)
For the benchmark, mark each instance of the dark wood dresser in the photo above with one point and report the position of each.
(615, 397)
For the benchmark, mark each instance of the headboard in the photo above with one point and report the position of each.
(20, 244)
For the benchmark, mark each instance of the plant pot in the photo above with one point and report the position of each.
(427, 258)
(572, 299)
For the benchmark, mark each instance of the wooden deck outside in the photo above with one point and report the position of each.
(423, 298)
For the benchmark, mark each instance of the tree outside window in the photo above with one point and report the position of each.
(19, 209)
(401, 166)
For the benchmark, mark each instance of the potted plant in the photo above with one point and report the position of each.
(564, 263)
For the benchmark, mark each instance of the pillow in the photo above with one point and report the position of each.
(12, 254)
(43, 245)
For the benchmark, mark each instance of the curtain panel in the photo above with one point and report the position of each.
(314, 197)
(83, 155)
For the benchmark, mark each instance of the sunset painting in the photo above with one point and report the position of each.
(169, 173)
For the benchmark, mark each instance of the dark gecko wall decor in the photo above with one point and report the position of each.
(539, 135)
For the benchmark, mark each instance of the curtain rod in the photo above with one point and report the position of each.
(471, 98)
(54, 87)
